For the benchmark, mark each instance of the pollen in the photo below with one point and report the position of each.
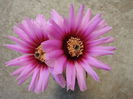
(39, 54)
(75, 47)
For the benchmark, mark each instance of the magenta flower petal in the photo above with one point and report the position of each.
(70, 76)
(81, 77)
(18, 48)
(100, 52)
(25, 72)
(100, 41)
(21, 34)
(32, 33)
(21, 81)
(40, 20)
(51, 45)
(34, 80)
(92, 24)
(79, 16)
(59, 78)
(53, 54)
(109, 48)
(72, 17)
(90, 71)
(100, 32)
(43, 81)
(98, 64)
(77, 39)
(20, 42)
(22, 60)
(17, 71)
(59, 65)
(57, 18)
(86, 18)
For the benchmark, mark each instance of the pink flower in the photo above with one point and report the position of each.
(31, 34)
(74, 46)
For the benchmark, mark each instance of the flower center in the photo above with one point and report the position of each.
(39, 54)
(75, 47)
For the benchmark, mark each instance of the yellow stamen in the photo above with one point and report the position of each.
(75, 47)
(39, 54)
